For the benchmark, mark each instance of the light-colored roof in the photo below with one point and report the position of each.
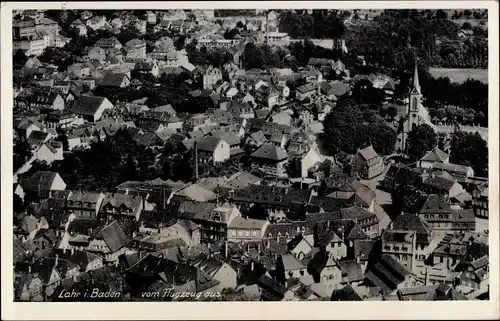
(368, 153)
(435, 155)
(242, 223)
(198, 193)
(290, 262)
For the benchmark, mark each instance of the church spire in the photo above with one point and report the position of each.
(416, 83)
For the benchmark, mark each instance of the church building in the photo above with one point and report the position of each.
(416, 113)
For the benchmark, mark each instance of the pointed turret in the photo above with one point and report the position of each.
(416, 83)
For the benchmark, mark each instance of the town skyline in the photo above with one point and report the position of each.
(251, 155)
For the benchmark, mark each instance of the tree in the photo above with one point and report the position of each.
(421, 140)
(63, 138)
(180, 42)
(293, 168)
(22, 152)
(252, 57)
(467, 26)
(258, 212)
(467, 13)
(18, 204)
(470, 150)
(19, 58)
(392, 112)
(383, 139)
(441, 14)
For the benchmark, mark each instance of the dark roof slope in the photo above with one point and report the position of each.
(87, 105)
(113, 235)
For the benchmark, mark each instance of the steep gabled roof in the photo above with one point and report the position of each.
(435, 155)
(113, 236)
(87, 105)
(271, 152)
(112, 79)
(368, 153)
(208, 144)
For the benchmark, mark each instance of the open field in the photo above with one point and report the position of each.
(460, 75)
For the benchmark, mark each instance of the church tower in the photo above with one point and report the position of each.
(415, 102)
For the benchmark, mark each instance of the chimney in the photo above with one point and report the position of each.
(226, 249)
(252, 266)
(278, 238)
(29, 269)
(358, 259)
(258, 248)
(72, 251)
(57, 259)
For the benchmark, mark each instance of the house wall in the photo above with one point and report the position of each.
(58, 184)
(337, 249)
(106, 104)
(308, 161)
(222, 152)
(227, 276)
(74, 142)
(331, 278)
(301, 250)
(98, 245)
(296, 273)
(44, 154)
(426, 164)
(238, 235)
(480, 206)
(94, 264)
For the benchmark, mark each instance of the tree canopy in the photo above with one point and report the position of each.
(321, 24)
(347, 130)
(421, 140)
(470, 150)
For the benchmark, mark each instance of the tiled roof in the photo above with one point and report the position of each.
(307, 88)
(363, 249)
(40, 181)
(87, 105)
(368, 153)
(208, 144)
(386, 274)
(435, 155)
(271, 152)
(439, 183)
(113, 235)
(112, 79)
(347, 293)
(117, 200)
(242, 223)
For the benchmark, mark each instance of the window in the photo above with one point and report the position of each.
(254, 233)
(247, 233)
(441, 259)
(233, 233)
